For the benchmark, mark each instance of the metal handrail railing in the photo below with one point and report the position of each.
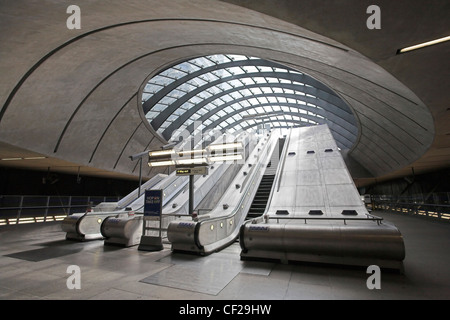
(369, 217)
(259, 166)
(280, 169)
(45, 211)
(436, 211)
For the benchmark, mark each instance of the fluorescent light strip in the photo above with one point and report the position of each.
(161, 153)
(23, 221)
(161, 163)
(192, 161)
(27, 158)
(425, 44)
(226, 146)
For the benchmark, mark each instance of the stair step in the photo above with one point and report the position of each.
(259, 203)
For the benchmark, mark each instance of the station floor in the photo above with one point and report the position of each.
(34, 260)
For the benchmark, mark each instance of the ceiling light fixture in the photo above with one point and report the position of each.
(424, 44)
(26, 158)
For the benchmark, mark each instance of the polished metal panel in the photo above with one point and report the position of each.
(221, 226)
(123, 229)
(365, 240)
(322, 183)
(69, 225)
(89, 226)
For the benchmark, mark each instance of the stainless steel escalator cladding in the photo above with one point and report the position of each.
(220, 227)
(362, 241)
(315, 213)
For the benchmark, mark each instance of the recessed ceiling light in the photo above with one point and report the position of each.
(424, 44)
(27, 158)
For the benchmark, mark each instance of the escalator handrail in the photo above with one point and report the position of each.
(259, 161)
(279, 172)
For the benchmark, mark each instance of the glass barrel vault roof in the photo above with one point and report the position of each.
(232, 93)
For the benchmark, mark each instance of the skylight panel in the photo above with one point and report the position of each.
(159, 107)
(152, 87)
(203, 62)
(235, 70)
(151, 115)
(277, 90)
(250, 69)
(263, 100)
(221, 73)
(204, 95)
(256, 91)
(176, 93)
(225, 86)
(161, 80)
(179, 112)
(209, 77)
(186, 86)
(264, 69)
(235, 57)
(198, 82)
(247, 81)
(173, 73)
(253, 101)
(280, 70)
(235, 83)
(146, 96)
(259, 80)
(272, 80)
(167, 100)
(188, 67)
(244, 103)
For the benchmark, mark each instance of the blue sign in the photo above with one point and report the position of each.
(153, 203)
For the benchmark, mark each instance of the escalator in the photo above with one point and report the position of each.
(314, 212)
(261, 197)
(220, 227)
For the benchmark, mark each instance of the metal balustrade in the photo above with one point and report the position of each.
(21, 209)
(436, 211)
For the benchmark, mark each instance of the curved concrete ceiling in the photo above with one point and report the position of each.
(74, 95)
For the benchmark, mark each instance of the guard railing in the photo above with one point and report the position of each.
(436, 211)
(20, 209)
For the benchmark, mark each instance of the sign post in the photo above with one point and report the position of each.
(191, 172)
(152, 215)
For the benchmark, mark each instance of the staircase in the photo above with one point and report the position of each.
(262, 195)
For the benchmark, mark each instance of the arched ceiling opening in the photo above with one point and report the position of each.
(234, 93)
